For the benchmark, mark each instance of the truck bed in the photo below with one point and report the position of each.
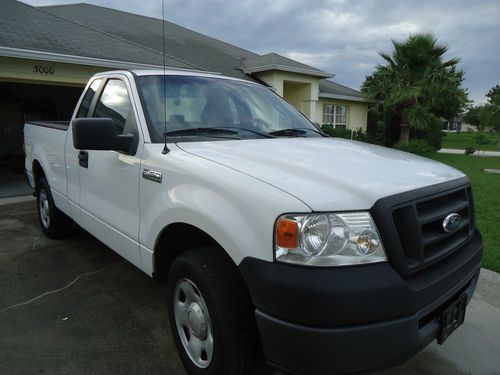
(45, 142)
(60, 125)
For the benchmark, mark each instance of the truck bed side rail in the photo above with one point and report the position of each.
(60, 125)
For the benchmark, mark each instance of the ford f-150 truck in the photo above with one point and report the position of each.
(279, 244)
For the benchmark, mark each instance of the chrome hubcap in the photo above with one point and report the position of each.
(196, 321)
(44, 209)
(193, 323)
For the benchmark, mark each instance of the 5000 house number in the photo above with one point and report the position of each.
(40, 69)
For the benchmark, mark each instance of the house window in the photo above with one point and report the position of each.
(335, 115)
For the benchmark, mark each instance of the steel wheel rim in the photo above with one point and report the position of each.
(44, 208)
(193, 323)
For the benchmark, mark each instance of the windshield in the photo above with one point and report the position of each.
(199, 108)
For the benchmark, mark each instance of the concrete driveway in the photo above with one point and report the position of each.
(75, 307)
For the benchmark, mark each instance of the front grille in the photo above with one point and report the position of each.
(419, 226)
(413, 226)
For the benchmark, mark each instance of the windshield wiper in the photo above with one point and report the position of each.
(317, 131)
(288, 132)
(262, 134)
(195, 131)
(216, 130)
(294, 132)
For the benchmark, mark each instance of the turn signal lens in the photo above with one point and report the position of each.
(287, 233)
(367, 242)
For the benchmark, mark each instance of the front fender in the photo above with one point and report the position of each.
(236, 210)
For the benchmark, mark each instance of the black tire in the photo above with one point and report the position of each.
(236, 349)
(54, 223)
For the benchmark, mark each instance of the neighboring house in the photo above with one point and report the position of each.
(452, 125)
(48, 53)
(456, 125)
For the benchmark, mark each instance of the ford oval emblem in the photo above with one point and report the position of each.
(451, 222)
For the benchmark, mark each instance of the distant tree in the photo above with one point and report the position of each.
(486, 116)
(491, 116)
(492, 109)
(493, 94)
(473, 116)
(416, 85)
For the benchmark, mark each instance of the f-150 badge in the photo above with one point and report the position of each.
(148, 174)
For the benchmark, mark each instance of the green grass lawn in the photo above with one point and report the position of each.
(486, 188)
(466, 139)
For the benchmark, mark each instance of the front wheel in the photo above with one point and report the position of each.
(211, 316)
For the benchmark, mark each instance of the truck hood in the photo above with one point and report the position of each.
(326, 173)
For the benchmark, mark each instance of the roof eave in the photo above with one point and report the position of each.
(346, 97)
(284, 68)
(80, 60)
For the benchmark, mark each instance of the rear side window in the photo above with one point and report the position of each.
(114, 103)
(83, 111)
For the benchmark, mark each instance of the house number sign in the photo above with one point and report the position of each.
(43, 69)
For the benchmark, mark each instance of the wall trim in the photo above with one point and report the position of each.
(346, 97)
(283, 68)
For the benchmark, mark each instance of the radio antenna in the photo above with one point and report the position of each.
(166, 150)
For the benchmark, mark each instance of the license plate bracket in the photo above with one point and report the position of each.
(451, 318)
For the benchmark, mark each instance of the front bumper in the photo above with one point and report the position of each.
(350, 319)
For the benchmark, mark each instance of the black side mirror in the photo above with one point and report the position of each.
(100, 134)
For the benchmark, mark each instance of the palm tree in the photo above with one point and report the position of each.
(416, 83)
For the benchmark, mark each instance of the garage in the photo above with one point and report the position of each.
(37, 86)
(45, 62)
(21, 102)
(34, 86)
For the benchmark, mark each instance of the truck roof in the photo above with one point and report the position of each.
(176, 72)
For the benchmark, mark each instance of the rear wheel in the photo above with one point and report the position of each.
(211, 316)
(54, 223)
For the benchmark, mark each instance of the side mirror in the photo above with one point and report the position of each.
(100, 134)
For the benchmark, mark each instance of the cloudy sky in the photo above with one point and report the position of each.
(340, 36)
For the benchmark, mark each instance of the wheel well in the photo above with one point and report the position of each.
(38, 172)
(173, 241)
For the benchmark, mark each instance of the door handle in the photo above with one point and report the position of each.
(83, 159)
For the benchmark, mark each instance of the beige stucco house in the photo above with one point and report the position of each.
(307, 89)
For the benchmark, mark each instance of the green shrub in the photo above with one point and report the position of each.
(481, 140)
(432, 134)
(354, 134)
(469, 150)
(419, 147)
(336, 132)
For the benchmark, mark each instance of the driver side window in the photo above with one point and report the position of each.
(115, 104)
(84, 109)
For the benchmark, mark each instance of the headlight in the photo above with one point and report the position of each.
(328, 239)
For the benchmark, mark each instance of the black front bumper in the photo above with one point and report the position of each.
(350, 319)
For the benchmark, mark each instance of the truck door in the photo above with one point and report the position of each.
(109, 180)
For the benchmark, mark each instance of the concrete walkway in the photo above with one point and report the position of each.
(476, 153)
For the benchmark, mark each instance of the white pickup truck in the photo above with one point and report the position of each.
(318, 255)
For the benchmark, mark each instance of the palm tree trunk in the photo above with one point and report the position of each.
(404, 135)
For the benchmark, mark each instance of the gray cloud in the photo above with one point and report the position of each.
(340, 36)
